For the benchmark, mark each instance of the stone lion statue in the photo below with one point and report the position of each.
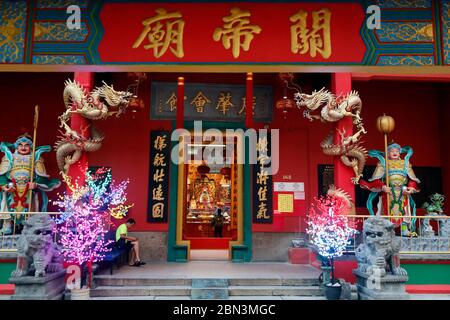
(36, 252)
(379, 252)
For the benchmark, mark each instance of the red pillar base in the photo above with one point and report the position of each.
(299, 255)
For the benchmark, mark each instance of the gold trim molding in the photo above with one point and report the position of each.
(227, 68)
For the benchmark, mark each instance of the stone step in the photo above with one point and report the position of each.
(110, 291)
(274, 282)
(124, 298)
(209, 283)
(209, 293)
(211, 289)
(277, 298)
(118, 281)
(135, 298)
(275, 291)
(113, 281)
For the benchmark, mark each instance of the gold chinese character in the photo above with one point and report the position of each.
(262, 148)
(160, 143)
(262, 193)
(237, 32)
(261, 177)
(162, 36)
(262, 211)
(263, 159)
(262, 144)
(316, 40)
(157, 210)
(242, 111)
(159, 175)
(158, 193)
(200, 101)
(159, 160)
(172, 102)
(224, 103)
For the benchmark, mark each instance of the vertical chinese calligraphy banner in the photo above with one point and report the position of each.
(262, 182)
(159, 177)
(179, 32)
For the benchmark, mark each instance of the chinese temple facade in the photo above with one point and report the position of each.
(233, 81)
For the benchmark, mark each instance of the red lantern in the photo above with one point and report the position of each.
(203, 169)
(225, 171)
(285, 103)
(135, 105)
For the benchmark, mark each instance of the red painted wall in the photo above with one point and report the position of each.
(126, 149)
(300, 152)
(420, 110)
(415, 109)
(19, 93)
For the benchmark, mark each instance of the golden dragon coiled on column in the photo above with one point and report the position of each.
(332, 109)
(99, 104)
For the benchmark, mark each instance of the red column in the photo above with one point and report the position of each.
(77, 171)
(249, 101)
(444, 133)
(180, 103)
(342, 84)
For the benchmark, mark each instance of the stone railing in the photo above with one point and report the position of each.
(8, 242)
(432, 234)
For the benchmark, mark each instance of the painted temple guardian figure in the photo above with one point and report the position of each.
(403, 183)
(16, 184)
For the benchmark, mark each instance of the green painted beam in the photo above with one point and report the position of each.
(243, 253)
(428, 273)
(5, 271)
(174, 251)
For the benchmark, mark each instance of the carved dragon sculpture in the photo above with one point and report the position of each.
(335, 108)
(339, 193)
(351, 152)
(99, 104)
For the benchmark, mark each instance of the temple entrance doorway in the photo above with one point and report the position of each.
(210, 211)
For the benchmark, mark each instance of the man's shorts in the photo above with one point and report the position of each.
(123, 244)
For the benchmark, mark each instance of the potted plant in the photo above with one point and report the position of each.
(329, 231)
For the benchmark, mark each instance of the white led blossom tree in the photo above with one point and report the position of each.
(329, 228)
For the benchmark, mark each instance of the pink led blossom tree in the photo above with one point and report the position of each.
(87, 211)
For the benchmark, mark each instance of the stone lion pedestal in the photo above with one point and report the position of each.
(49, 287)
(388, 287)
(379, 274)
(39, 274)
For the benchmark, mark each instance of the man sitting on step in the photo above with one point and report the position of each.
(129, 243)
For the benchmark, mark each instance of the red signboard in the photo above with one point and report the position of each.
(239, 32)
